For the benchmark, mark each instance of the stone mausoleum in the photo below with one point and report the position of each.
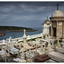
(54, 27)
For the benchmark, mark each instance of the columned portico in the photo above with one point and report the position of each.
(57, 26)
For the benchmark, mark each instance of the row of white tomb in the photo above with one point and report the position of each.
(37, 44)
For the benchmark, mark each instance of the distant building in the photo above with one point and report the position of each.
(46, 27)
(55, 26)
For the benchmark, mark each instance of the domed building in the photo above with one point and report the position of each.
(57, 21)
(56, 24)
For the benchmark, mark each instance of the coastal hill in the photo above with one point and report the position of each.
(15, 29)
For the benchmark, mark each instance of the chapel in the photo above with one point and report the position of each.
(54, 27)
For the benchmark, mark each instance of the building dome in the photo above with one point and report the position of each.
(57, 13)
(46, 21)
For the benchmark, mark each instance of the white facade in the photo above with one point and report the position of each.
(46, 29)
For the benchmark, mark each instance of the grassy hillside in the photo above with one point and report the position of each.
(14, 28)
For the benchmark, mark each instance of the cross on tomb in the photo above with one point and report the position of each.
(24, 31)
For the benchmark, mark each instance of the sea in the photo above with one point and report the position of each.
(19, 34)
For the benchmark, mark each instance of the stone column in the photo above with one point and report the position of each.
(25, 54)
(5, 55)
(22, 54)
(41, 46)
(20, 47)
(63, 41)
(51, 29)
(29, 54)
(43, 50)
(36, 49)
(57, 29)
(58, 44)
(22, 57)
(49, 41)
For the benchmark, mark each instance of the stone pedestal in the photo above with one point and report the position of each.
(42, 51)
(29, 60)
(52, 44)
(49, 46)
(58, 44)
(22, 61)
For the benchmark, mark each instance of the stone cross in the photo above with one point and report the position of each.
(24, 33)
(3, 41)
(24, 36)
(16, 42)
(49, 46)
(9, 39)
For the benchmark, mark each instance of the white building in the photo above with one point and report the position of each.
(46, 27)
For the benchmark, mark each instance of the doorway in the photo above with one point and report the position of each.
(54, 32)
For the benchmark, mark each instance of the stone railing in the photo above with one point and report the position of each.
(21, 38)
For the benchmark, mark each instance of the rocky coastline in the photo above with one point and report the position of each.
(2, 34)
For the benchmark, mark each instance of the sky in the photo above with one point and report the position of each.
(27, 14)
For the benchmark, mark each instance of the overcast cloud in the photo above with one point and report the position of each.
(27, 14)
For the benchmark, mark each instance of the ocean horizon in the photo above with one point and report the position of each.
(19, 34)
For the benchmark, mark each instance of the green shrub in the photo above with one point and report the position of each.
(44, 37)
(40, 37)
(60, 40)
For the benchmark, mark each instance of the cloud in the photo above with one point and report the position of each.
(27, 14)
